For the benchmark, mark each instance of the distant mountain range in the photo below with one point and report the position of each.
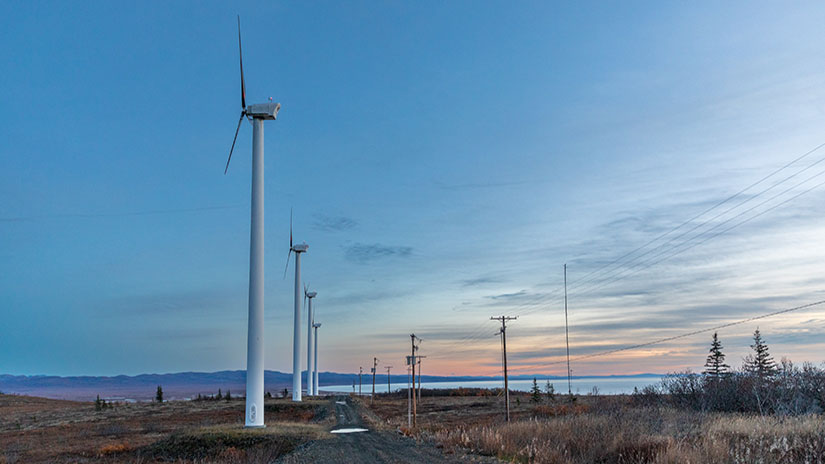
(189, 384)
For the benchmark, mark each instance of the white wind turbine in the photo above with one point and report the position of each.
(257, 113)
(315, 363)
(296, 333)
(310, 356)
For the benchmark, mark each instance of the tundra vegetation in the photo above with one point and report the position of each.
(764, 412)
(39, 430)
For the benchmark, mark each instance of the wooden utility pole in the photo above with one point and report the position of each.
(388, 378)
(360, 373)
(374, 367)
(412, 365)
(503, 333)
(409, 400)
(419, 377)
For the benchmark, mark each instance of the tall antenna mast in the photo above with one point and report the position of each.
(567, 336)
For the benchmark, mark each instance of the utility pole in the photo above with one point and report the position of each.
(411, 361)
(374, 367)
(360, 373)
(567, 336)
(409, 402)
(419, 377)
(389, 389)
(503, 333)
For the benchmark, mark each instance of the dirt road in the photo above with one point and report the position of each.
(370, 446)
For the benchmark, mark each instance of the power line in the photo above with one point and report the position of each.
(589, 283)
(106, 215)
(648, 264)
(716, 205)
(591, 276)
(684, 335)
(629, 272)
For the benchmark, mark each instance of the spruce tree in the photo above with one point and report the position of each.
(228, 396)
(715, 366)
(159, 395)
(220, 395)
(535, 393)
(760, 363)
(550, 391)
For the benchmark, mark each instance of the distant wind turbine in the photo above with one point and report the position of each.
(310, 356)
(315, 325)
(257, 113)
(296, 333)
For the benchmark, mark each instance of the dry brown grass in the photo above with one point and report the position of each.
(36, 430)
(647, 436)
(612, 430)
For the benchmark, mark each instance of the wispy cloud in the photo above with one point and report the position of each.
(200, 301)
(364, 253)
(333, 223)
(484, 185)
(357, 298)
(480, 281)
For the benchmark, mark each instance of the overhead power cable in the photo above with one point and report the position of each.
(684, 335)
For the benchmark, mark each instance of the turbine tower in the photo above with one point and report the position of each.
(315, 362)
(257, 113)
(296, 332)
(310, 320)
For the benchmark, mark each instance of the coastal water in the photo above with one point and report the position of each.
(583, 385)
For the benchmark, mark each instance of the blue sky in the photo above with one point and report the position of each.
(443, 161)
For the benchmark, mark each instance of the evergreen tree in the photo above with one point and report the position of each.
(228, 396)
(98, 403)
(220, 395)
(550, 391)
(760, 363)
(535, 393)
(159, 395)
(715, 366)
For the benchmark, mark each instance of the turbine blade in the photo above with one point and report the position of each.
(288, 255)
(240, 54)
(290, 228)
(233, 143)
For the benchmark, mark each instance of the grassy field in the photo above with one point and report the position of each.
(607, 429)
(37, 430)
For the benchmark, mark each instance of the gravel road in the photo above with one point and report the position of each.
(372, 446)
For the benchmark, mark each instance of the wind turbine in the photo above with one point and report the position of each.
(257, 113)
(296, 333)
(310, 321)
(315, 363)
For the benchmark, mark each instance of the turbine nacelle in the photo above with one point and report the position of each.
(263, 110)
(299, 248)
(316, 325)
(312, 294)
